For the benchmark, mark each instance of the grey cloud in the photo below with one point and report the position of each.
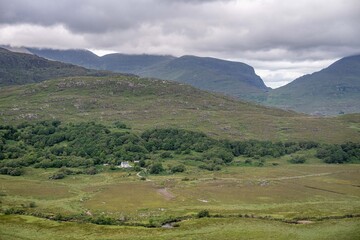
(78, 16)
(243, 25)
(193, 1)
(259, 31)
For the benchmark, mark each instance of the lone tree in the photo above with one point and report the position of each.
(203, 213)
(156, 168)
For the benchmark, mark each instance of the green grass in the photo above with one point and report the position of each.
(25, 227)
(285, 191)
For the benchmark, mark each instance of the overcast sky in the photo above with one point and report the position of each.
(281, 39)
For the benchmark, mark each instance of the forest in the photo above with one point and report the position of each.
(52, 144)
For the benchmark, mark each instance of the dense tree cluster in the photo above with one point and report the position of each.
(344, 153)
(254, 148)
(177, 139)
(50, 144)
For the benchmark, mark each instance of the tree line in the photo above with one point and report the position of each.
(51, 144)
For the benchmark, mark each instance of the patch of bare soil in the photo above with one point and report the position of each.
(304, 222)
(165, 193)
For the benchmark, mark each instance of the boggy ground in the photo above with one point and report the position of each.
(252, 202)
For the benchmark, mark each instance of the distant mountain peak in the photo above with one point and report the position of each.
(331, 91)
(15, 49)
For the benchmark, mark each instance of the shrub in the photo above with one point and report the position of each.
(66, 171)
(137, 168)
(14, 211)
(297, 160)
(154, 223)
(142, 163)
(186, 151)
(210, 167)
(260, 164)
(91, 171)
(178, 168)
(11, 171)
(113, 168)
(32, 205)
(102, 220)
(248, 161)
(156, 168)
(120, 125)
(59, 217)
(203, 213)
(219, 153)
(166, 155)
(57, 176)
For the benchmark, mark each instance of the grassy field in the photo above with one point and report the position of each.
(254, 202)
(25, 227)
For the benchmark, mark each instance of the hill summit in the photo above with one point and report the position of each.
(22, 68)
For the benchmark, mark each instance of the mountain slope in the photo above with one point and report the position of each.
(132, 63)
(333, 90)
(78, 57)
(21, 68)
(231, 78)
(148, 103)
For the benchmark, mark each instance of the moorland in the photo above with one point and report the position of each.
(203, 165)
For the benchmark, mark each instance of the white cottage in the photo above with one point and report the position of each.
(125, 165)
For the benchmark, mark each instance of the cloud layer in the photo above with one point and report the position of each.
(277, 37)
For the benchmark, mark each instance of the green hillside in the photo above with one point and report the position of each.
(148, 103)
(22, 68)
(230, 78)
(127, 63)
(333, 90)
(78, 57)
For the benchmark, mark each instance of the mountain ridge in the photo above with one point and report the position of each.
(203, 72)
(23, 68)
(331, 91)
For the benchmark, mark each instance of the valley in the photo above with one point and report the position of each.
(203, 165)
